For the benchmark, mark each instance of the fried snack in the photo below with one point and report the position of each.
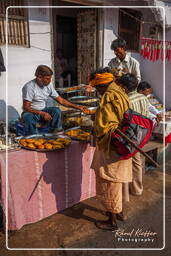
(48, 146)
(89, 112)
(83, 137)
(42, 141)
(41, 147)
(86, 111)
(23, 143)
(30, 140)
(31, 145)
(51, 141)
(56, 142)
(67, 142)
(38, 143)
(73, 133)
(79, 134)
(61, 140)
(73, 88)
(22, 140)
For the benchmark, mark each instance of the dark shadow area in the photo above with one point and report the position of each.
(64, 172)
(78, 212)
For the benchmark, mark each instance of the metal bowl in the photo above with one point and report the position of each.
(84, 100)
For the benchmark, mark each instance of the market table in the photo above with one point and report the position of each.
(41, 184)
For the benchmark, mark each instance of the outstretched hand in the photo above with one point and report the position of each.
(88, 90)
(83, 108)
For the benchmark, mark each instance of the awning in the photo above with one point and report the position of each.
(158, 12)
(86, 2)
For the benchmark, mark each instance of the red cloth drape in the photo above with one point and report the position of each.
(153, 49)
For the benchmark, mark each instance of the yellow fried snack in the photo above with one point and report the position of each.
(41, 147)
(89, 112)
(38, 143)
(48, 146)
(51, 141)
(22, 140)
(67, 142)
(31, 145)
(30, 140)
(41, 141)
(56, 146)
(23, 143)
(79, 134)
(73, 133)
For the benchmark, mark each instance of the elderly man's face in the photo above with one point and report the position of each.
(43, 80)
(120, 53)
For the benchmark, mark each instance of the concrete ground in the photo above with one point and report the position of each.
(75, 228)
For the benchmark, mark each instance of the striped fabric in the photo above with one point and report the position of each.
(139, 103)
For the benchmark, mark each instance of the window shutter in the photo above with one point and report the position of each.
(18, 31)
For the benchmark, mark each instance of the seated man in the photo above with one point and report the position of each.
(154, 113)
(35, 95)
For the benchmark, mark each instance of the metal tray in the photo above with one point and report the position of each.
(44, 136)
(82, 98)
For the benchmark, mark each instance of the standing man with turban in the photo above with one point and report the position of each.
(111, 172)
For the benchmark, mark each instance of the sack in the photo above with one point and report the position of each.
(135, 126)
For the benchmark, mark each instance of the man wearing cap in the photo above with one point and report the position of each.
(35, 95)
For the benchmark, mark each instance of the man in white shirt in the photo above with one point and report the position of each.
(140, 104)
(145, 89)
(123, 62)
(35, 95)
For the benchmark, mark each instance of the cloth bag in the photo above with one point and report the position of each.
(135, 126)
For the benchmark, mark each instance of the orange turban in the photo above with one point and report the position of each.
(103, 78)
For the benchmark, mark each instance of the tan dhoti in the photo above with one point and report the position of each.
(111, 173)
(136, 186)
(110, 194)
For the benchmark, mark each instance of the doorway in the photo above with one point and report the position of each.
(66, 51)
(75, 45)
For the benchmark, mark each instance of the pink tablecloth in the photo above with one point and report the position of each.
(66, 179)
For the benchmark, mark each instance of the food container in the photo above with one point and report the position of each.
(92, 111)
(56, 141)
(84, 100)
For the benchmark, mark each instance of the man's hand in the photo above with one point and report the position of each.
(46, 116)
(88, 90)
(82, 108)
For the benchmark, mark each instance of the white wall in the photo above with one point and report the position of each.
(22, 61)
(150, 71)
(110, 32)
(168, 74)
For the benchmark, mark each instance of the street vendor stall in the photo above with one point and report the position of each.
(43, 183)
